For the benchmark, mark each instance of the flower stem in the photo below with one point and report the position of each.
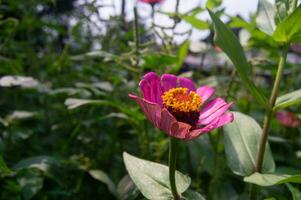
(268, 116)
(172, 166)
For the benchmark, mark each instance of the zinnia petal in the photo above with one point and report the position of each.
(205, 92)
(211, 107)
(186, 83)
(168, 81)
(150, 87)
(215, 114)
(151, 110)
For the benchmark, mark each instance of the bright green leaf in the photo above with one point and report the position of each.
(181, 55)
(272, 179)
(242, 138)
(226, 40)
(289, 30)
(195, 22)
(3, 166)
(152, 179)
(287, 100)
(213, 3)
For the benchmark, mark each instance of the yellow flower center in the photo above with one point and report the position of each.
(180, 100)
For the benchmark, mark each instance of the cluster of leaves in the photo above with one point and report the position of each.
(66, 118)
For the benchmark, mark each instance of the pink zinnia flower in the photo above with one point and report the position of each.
(175, 106)
(152, 2)
(288, 119)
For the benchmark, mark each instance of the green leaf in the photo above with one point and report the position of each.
(287, 100)
(213, 3)
(31, 183)
(42, 163)
(193, 195)
(73, 103)
(152, 179)
(289, 30)
(195, 22)
(265, 16)
(242, 138)
(3, 166)
(181, 55)
(104, 178)
(296, 194)
(226, 40)
(272, 179)
(126, 188)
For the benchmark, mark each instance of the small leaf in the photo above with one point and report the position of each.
(195, 22)
(265, 16)
(126, 188)
(272, 179)
(73, 103)
(226, 40)
(287, 100)
(18, 81)
(3, 166)
(289, 30)
(104, 178)
(42, 163)
(152, 179)
(242, 138)
(31, 184)
(213, 3)
(181, 55)
(296, 194)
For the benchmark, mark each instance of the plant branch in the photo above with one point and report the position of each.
(172, 167)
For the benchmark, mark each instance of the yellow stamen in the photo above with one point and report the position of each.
(180, 100)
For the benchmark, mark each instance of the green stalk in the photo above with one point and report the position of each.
(268, 116)
(172, 166)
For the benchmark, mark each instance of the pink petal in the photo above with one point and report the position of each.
(151, 110)
(168, 81)
(211, 107)
(215, 114)
(150, 87)
(187, 83)
(216, 123)
(167, 120)
(205, 92)
(180, 130)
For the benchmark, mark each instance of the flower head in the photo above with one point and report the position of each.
(288, 119)
(152, 2)
(174, 105)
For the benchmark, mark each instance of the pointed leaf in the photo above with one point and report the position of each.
(192, 195)
(104, 178)
(272, 179)
(296, 194)
(242, 138)
(287, 100)
(152, 179)
(226, 40)
(265, 16)
(289, 30)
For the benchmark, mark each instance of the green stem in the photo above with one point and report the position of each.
(268, 115)
(172, 166)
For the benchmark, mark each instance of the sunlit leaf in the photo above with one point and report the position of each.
(272, 179)
(289, 30)
(153, 185)
(195, 22)
(73, 103)
(126, 187)
(265, 16)
(242, 138)
(213, 3)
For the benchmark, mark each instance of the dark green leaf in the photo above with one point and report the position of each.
(153, 185)
(226, 40)
(242, 138)
(192, 195)
(296, 194)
